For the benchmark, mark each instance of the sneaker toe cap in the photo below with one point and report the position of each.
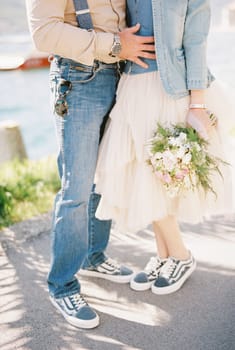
(86, 313)
(141, 277)
(161, 282)
(125, 271)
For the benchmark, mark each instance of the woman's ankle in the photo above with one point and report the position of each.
(163, 257)
(181, 254)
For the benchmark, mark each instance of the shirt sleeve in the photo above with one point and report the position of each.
(51, 34)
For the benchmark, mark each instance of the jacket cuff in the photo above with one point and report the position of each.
(197, 84)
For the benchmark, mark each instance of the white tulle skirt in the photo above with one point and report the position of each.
(132, 195)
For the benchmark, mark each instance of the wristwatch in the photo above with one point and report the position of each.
(116, 47)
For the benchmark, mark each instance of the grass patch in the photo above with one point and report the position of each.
(27, 188)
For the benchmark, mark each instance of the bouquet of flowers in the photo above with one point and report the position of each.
(180, 159)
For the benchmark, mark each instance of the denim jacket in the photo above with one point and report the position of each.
(180, 29)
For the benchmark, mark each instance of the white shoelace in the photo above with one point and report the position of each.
(77, 301)
(112, 263)
(152, 266)
(168, 268)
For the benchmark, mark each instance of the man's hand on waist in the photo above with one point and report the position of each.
(133, 46)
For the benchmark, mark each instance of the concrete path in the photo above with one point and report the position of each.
(199, 317)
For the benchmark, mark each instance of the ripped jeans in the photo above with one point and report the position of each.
(81, 97)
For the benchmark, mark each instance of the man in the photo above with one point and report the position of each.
(87, 40)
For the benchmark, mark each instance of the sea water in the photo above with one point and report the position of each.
(25, 98)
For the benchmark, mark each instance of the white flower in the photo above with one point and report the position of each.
(182, 137)
(169, 160)
(187, 145)
(173, 141)
(186, 159)
(157, 155)
(181, 152)
(197, 147)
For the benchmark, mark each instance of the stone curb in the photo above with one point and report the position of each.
(25, 230)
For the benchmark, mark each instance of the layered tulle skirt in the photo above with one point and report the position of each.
(132, 195)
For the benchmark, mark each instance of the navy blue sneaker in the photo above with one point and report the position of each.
(76, 311)
(143, 280)
(173, 274)
(109, 270)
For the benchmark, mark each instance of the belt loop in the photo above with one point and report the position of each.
(96, 65)
(120, 67)
(55, 58)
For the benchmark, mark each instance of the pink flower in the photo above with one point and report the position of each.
(159, 174)
(166, 178)
(185, 171)
(180, 175)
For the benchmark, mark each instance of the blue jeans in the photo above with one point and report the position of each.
(78, 238)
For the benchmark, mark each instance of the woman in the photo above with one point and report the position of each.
(172, 89)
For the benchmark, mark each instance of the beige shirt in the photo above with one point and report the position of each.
(54, 28)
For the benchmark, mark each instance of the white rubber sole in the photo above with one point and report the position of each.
(112, 278)
(173, 288)
(85, 324)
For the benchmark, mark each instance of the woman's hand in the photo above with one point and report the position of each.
(201, 121)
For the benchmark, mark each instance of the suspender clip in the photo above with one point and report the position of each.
(82, 12)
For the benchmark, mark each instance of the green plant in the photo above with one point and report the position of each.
(27, 188)
(5, 204)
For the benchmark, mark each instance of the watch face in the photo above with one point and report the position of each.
(116, 49)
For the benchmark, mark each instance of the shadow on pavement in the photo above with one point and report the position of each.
(200, 316)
